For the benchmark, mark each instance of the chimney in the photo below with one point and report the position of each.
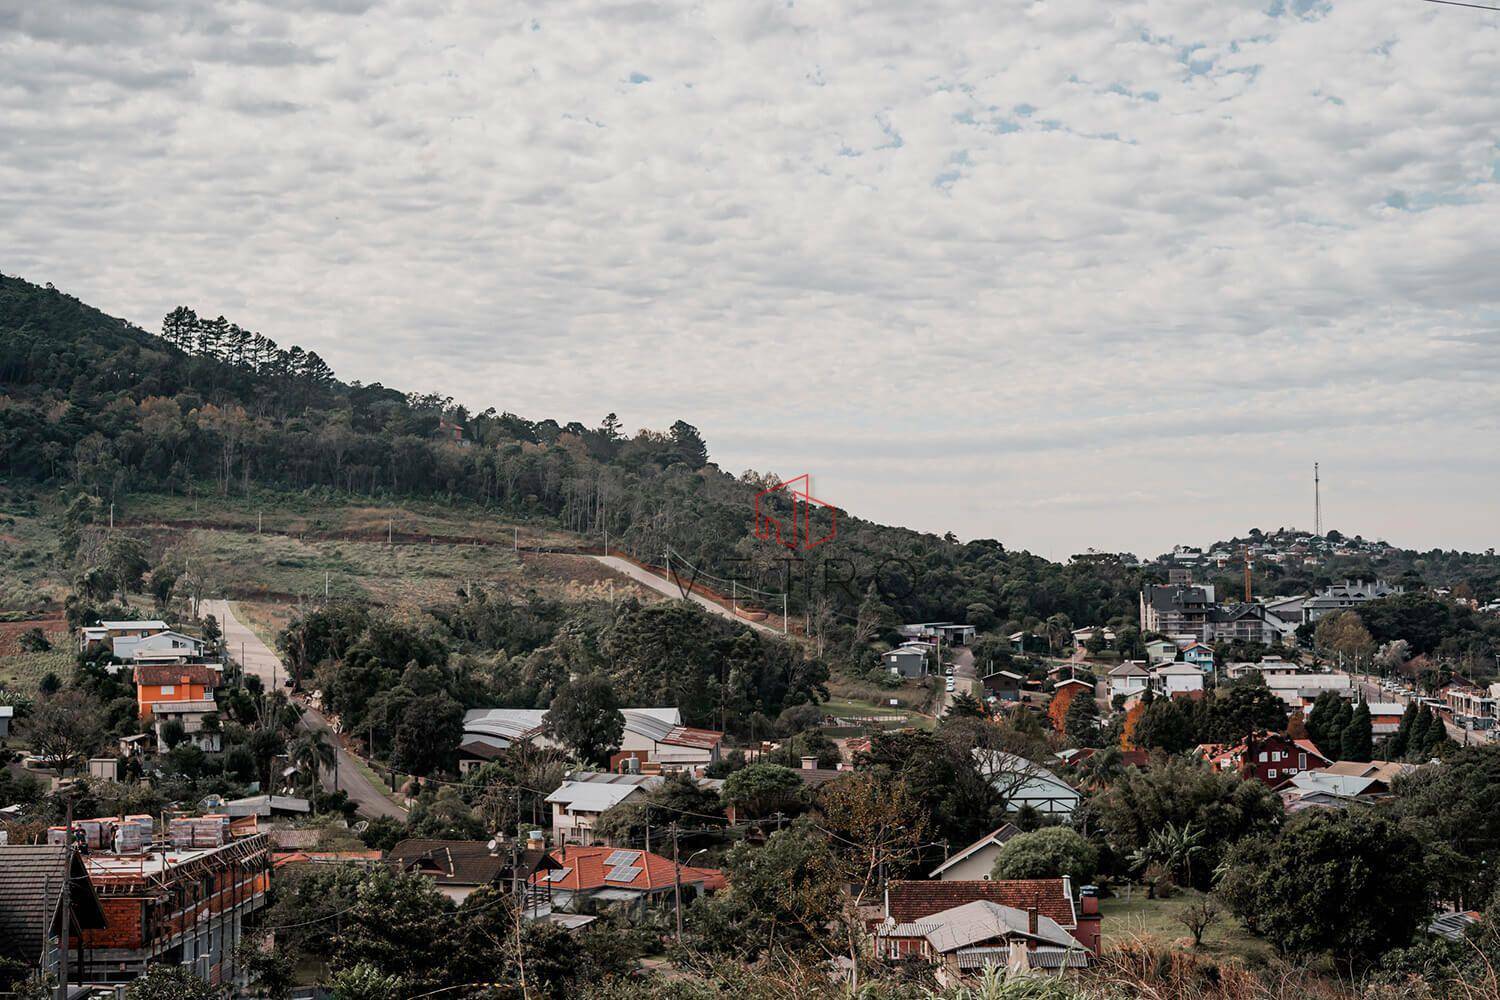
(1031, 920)
(1089, 919)
(809, 763)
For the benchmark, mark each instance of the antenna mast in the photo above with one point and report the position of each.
(1317, 503)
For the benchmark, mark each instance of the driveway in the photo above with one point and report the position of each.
(260, 660)
(671, 589)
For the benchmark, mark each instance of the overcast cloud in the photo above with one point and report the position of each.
(1067, 274)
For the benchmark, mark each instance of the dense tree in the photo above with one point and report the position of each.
(1184, 793)
(1166, 725)
(586, 717)
(1454, 808)
(1048, 853)
(1372, 886)
(764, 789)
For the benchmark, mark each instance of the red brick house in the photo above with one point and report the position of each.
(909, 902)
(1270, 758)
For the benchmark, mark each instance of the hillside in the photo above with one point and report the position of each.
(216, 416)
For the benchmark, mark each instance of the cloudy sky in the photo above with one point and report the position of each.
(1095, 273)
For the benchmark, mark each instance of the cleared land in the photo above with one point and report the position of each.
(1139, 917)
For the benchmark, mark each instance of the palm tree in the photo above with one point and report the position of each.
(1172, 848)
(1059, 630)
(311, 754)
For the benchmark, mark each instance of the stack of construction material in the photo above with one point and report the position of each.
(133, 834)
(199, 831)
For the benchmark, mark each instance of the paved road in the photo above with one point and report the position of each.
(671, 589)
(965, 679)
(258, 659)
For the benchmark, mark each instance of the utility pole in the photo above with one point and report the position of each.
(677, 882)
(390, 531)
(1317, 503)
(67, 906)
(783, 613)
(259, 521)
(111, 516)
(515, 538)
(325, 586)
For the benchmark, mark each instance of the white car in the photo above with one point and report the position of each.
(951, 684)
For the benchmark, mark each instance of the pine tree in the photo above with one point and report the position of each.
(1358, 741)
(1401, 741)
(1082, 720)
(1417, 740)
(1437, 732)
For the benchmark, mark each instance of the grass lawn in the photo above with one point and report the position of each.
(1136, 917)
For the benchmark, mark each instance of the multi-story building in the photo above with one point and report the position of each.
(1177, 609)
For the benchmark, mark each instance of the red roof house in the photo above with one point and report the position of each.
(620, 874)
(1270, 758)
(908, 902)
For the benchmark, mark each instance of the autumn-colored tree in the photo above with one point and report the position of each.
(1132, 717)
(1058, 710)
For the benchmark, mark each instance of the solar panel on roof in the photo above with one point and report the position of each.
(622, 873)
(621, 858)
(558, 874)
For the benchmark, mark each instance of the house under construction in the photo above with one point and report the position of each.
(177, 904)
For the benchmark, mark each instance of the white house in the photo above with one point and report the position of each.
(586, 795)
(1129, 678)
(1026, 783)
(94, 635)
(167, 646)
(1299, 690)
(1173, 679)
(975, 861)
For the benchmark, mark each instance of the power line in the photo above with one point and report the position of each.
(1457, 3)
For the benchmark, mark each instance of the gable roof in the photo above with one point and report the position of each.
(31, 888)
(596, 791)
(996, 838)
(908, 901)
(464, 862)
(126, 626)
(1383, 770)
(176, 673)
(1130, 668)
(583, 869)
(984, 920)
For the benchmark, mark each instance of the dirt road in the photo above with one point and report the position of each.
(258, 659)
(671, 589)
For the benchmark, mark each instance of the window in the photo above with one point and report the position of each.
(1302, 761)
(168, 689)
(1264, 756)
(1271, 773)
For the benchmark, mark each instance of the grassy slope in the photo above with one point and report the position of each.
(1136, 917)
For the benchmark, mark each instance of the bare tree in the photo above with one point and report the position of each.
(1198, 916)
(64, 729)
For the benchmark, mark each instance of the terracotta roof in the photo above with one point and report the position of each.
(909, 902)
(462, 862)
(281, 859)
(582, 869)
(176, 673)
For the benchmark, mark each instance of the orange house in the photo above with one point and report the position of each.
(168, 682)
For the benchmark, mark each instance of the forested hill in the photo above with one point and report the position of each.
(93, 403)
